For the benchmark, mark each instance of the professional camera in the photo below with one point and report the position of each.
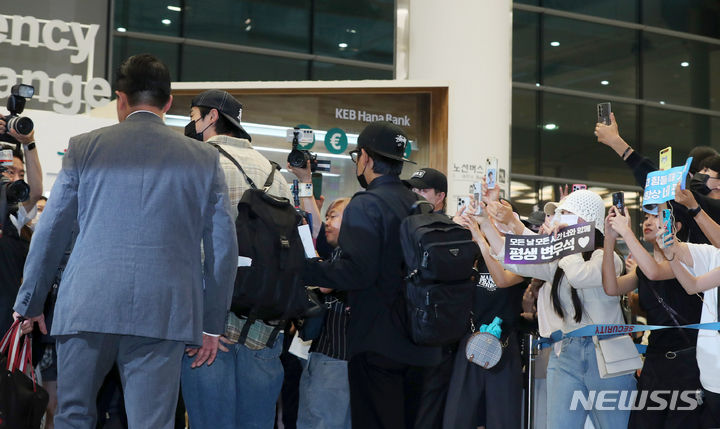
(299, 157)
(17, 191)
(16, 104)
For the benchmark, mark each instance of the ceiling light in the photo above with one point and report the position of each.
(166, 21)
(662, 102)
(684, 64)
(537, 84)
(248, 28)
(174, 8)
(342, 45)
(121, 29)
(551, 127)
(604, 82)
(248, 21)
(555, 44)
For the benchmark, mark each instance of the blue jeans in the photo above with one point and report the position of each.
(324, 394)
(239, 390)
(576, 370)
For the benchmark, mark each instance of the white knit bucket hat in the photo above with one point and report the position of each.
(587, 205)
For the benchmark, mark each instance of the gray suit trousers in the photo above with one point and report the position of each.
(149, 370)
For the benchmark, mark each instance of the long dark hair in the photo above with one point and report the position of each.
(560, 273)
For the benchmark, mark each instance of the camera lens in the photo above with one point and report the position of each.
(22, 124)
(297, 158)
(17, 192)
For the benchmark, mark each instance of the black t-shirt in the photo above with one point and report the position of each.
(13, 251)
(687, 307)
(491, 301)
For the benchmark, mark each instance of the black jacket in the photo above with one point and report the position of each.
(371, 270)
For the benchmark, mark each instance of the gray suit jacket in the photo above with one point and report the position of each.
(144, 197)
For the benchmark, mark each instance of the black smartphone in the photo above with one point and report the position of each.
(618, 200)
(603, 113)
(317, 180)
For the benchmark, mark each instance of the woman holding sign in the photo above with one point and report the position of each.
(670, 364)
(578, 299)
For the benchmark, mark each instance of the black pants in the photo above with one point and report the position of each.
(434, 390)
(660, 373)
(490, 397)
(710, 410)
(385, 394)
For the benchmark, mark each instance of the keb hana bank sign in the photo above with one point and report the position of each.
(60, 49)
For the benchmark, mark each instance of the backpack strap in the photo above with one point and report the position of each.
(271, 177)
(268, 182)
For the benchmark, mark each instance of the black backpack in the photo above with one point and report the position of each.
(439, 257)
(271, 288)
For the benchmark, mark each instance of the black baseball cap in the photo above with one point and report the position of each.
(385, 139)
(226, 104)
(427, 178)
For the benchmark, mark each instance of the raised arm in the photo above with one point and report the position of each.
(502, 277)
(613, 285)
(649, 266)
(609, 135)
(307, 202)
(693, 284)
(707, 225)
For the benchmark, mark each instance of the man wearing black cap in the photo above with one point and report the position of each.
(383, 359)
(432, 185)
(242, 387)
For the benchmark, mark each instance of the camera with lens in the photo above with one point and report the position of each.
(299, 157)
(17, 191)
(16, 104)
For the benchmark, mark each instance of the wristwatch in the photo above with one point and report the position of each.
(30, 146)
(695, 211)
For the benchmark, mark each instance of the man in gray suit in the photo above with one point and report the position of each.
(134, 291)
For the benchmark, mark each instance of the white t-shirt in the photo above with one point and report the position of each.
(706, 258)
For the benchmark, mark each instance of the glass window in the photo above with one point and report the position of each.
(682, 131)
(678, 71)
(329, 71)
(275, 24)
(124, 47)
(589, 57)
(200, 64)
(690, 16)
(525, 36)
(358, 30)
(623, 10)
(148, 16)
(524, 132)
(568, 147)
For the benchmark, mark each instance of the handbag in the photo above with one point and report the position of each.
(616, 356)
(22, 401)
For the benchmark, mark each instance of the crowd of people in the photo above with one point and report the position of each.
(129, 276)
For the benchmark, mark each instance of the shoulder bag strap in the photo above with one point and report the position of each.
(237, 164)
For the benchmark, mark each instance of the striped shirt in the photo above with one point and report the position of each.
(333, 336)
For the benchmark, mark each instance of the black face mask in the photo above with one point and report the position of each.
(699, 184)
(361, 178)
(190, 131)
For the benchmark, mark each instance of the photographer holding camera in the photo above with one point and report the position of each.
(19, 211)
